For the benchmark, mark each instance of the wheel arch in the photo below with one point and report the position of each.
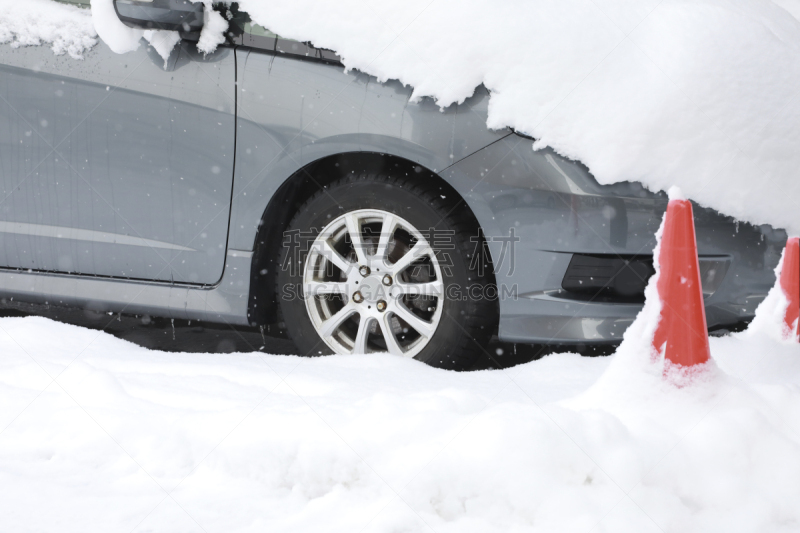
(296, 190)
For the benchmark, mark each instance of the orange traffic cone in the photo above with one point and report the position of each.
(790, 283)
(681, 335)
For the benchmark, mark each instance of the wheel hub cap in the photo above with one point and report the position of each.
(372, 289)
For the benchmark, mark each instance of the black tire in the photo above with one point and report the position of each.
(466, 324)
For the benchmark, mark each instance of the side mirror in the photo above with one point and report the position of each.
(184, 16)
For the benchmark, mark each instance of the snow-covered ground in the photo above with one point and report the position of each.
(97, 434)
(101, 435)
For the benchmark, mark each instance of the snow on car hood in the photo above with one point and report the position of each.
(67, 29)
(701, 94)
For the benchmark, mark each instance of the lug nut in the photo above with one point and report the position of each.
(381, 305)
(358, 297)
(364, 271)
(387, 280)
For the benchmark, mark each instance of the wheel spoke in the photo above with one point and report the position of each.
(328, 252)
(330, 326)
(387, 230)
(431, 288)
(420, 249)
(425, 329)
(315, 288)
(354, 229)
(346, 323)
(392, 345)
(362, 335)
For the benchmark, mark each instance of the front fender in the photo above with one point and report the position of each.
(293, 112)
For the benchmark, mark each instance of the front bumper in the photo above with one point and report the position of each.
(553, 209)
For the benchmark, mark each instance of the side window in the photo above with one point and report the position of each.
(81, 3)
(260, 37)
(259, 31)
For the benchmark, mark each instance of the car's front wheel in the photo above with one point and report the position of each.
(380, 264)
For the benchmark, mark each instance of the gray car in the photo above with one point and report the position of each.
(263, 184)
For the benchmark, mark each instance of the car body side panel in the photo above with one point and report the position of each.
(294, 112)
(536, 209)
(116, 165)
(226, 302)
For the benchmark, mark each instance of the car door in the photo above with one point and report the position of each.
(117, 165)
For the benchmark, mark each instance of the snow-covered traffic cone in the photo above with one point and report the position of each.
(790, 284)
(681, 335)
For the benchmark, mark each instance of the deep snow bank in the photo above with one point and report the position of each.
(769, 314)
(136, 440)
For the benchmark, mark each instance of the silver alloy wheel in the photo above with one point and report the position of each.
(381, 291)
